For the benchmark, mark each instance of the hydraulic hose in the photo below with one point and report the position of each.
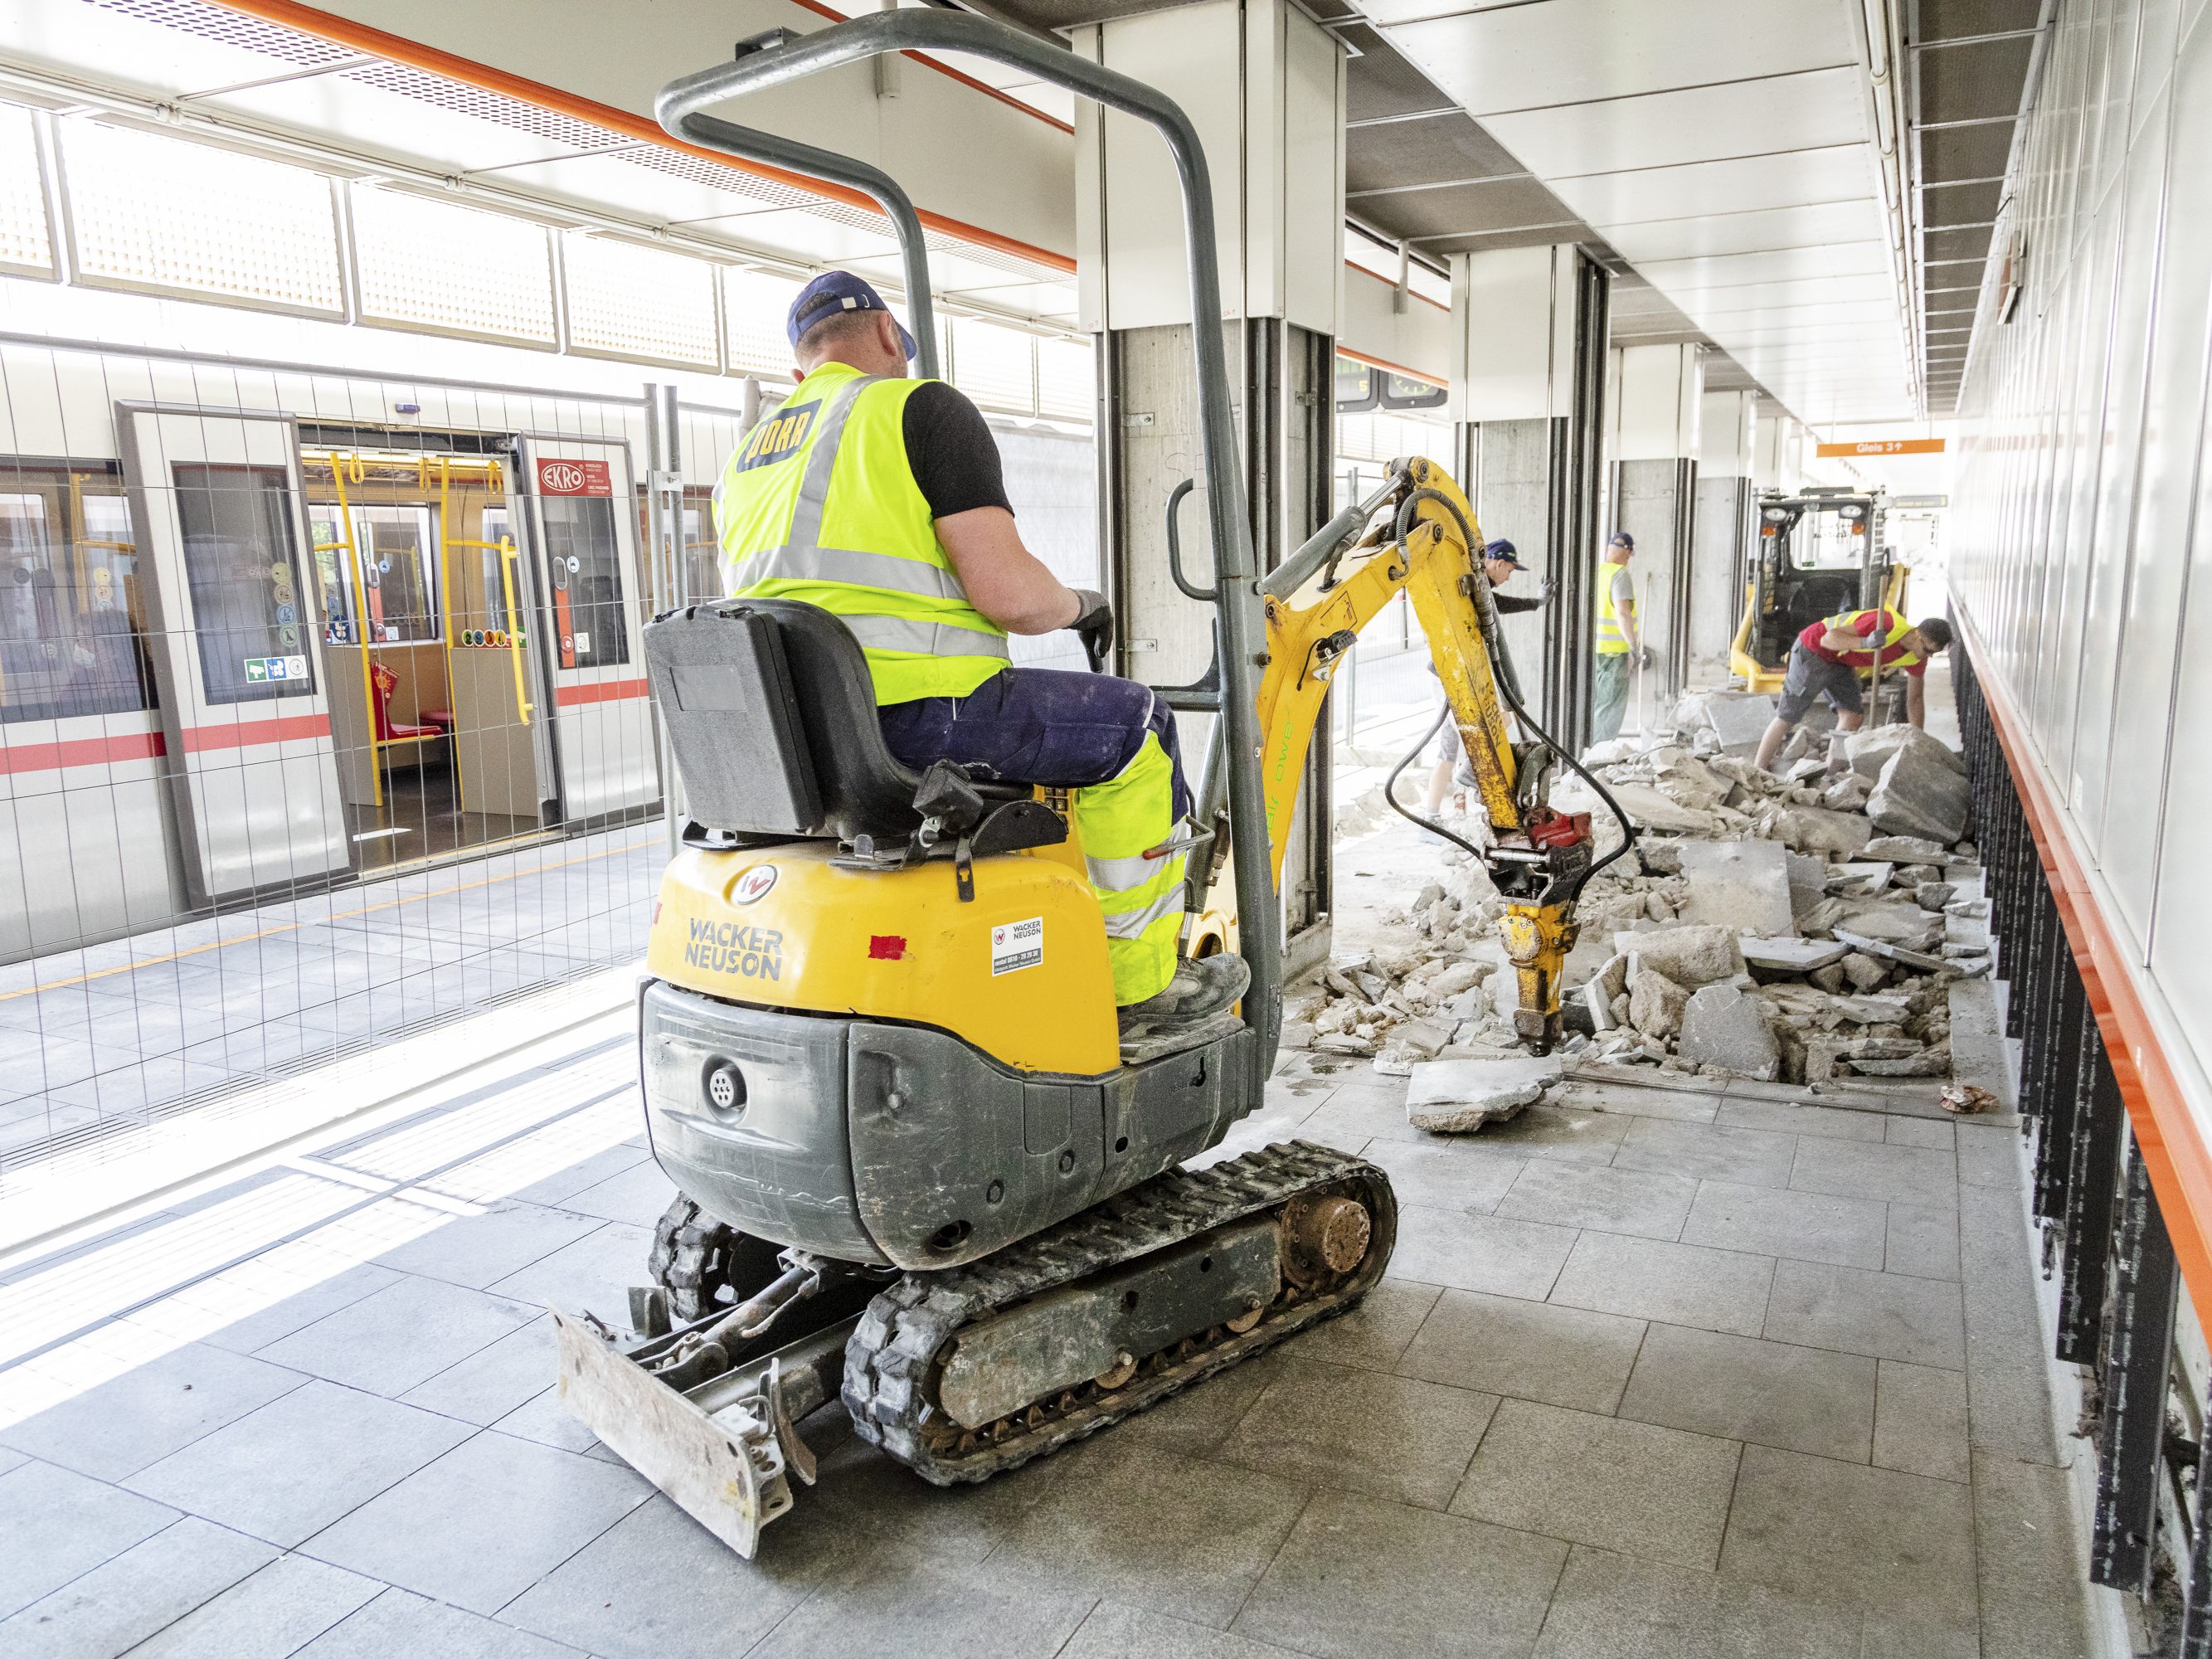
(1390, 790)
(1508, 683)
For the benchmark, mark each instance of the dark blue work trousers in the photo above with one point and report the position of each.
(1042, 725)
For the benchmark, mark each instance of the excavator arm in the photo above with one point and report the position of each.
(1428, 548)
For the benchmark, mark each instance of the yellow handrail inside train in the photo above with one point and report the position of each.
(507, 555)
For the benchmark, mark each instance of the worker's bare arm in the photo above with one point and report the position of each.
(1915, 699)
(1004, 581)
(1624, 611)
(1842, 639)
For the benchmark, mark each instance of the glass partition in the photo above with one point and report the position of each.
(241, 562)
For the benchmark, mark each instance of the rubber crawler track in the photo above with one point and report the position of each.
(891, 1362)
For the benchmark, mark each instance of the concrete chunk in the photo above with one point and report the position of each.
(1454, 1095)
(1901, 923)
(1921, 795)
(1906, 849)
(1656, 1004)
(1722, 1026)
(1689, 956)
(1739, 884)
(1816, 830)
(1861, 880)
(1791, 955)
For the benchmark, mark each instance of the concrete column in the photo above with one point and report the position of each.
(1655, 480)
(1778, 455)
(1528, 389)
(1264, 86)
(1726, 436)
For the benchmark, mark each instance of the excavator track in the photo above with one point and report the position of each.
(895, 1357)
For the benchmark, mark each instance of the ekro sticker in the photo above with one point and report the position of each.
(1016, 944)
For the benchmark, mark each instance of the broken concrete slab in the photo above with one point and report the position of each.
(1859, 880)
(1906, 849)
(1451, 1096)
(1656, 1004)
(1871, 751)
(1900, 923)
(1689, 956)
(1790, 955)
(1875, 947)
(1738, 718)
(1816, 830)
(1933, 894)
(1928, 1063)
(1723, 1026)
(1921, 795)
(1873, 1010)
(1647, 807)
(1739, 885)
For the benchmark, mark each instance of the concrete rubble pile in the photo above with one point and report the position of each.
(1802, 927)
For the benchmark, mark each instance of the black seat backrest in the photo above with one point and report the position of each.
(772, 715)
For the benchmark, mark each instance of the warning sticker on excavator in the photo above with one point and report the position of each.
(1016, 944)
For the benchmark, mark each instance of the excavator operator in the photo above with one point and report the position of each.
(882, 500)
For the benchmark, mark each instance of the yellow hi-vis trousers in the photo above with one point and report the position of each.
(1113, 743)
(1120, 821)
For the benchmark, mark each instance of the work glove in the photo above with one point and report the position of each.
(1644, 658)
(1550, 587)
(1094, 626)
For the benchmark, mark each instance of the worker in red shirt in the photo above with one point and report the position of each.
(1830, 657)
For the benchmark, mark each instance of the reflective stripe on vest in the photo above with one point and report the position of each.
(1611, 641)
(1847, 622)
(898, 592)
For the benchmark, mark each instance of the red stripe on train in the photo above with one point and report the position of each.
(570, 697)
(80, 751)
(285, 728)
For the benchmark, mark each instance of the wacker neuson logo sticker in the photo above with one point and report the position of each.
(1016, 944)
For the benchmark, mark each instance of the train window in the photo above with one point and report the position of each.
(394, 573)
(68, 594)
(585, 564)
(398, 572)
(241, 562)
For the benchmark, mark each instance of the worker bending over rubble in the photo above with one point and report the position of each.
(1830, 657)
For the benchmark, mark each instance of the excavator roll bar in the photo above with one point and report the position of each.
(771, 60)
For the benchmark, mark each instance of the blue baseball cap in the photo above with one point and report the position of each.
(837, 290)
(1502, 551)
(1622, 539)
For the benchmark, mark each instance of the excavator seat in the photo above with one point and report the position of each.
(772, 716)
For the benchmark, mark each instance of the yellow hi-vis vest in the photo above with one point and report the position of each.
(1847, 621)
(819, 504)
(1611, 641)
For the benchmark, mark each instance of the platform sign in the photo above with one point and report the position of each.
(574, 477)
(1918, 503)
(1882, 447)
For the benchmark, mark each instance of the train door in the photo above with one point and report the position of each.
(415, 559)
(244, 703)
(584, 556)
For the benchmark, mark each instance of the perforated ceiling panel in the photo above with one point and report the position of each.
(232, 29)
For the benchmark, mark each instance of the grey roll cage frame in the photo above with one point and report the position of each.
(778, 56)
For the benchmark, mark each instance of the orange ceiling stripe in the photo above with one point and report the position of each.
(379, 43)
(2172, 1142)
(944, 69)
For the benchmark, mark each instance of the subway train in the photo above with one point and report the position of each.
(264, 629)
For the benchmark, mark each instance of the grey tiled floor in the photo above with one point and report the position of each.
(1658, 1375)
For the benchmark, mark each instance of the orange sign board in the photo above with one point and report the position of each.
(1885, 447)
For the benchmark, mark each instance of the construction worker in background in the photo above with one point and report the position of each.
(1829, 657)
(882, 500)
(1501, 560)
(1618, 646)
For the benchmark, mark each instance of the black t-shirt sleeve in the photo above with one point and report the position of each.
(1515, 604)
(950, 447)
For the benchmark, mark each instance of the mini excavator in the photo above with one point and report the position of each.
(920, 1171)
